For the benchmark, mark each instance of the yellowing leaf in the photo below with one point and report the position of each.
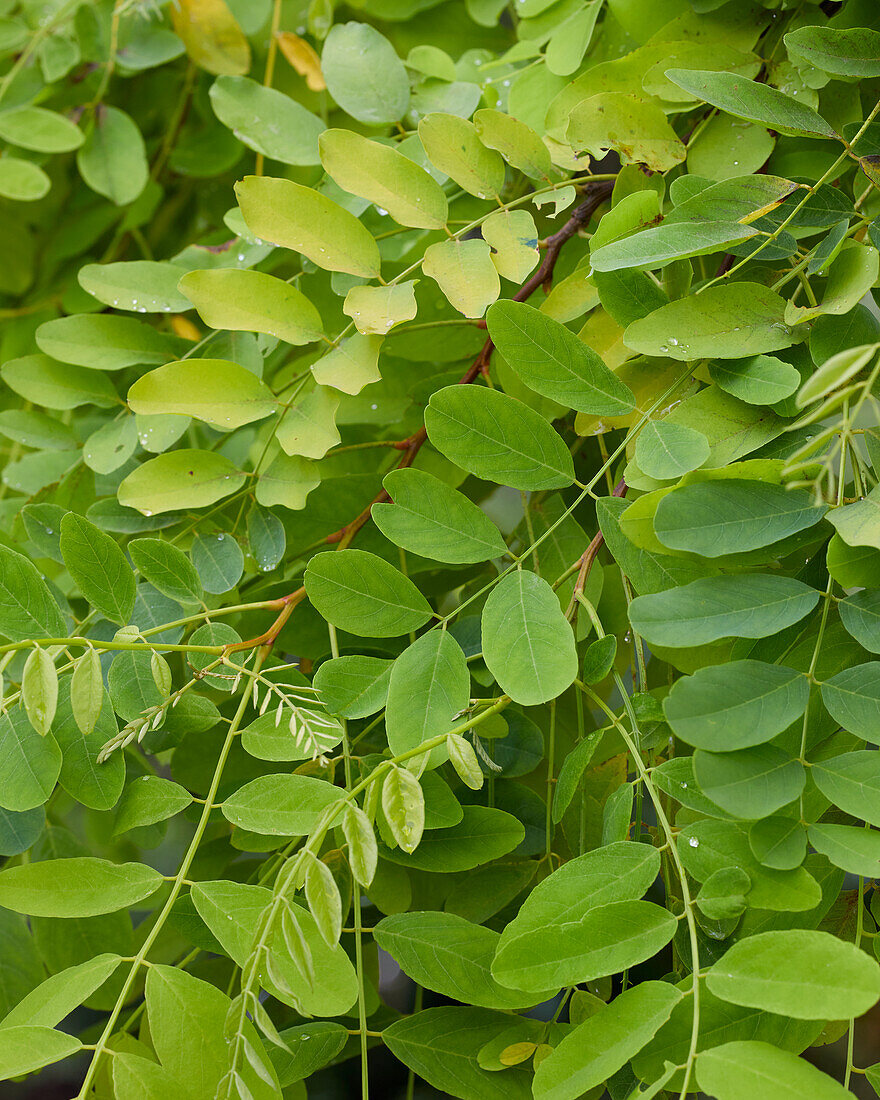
(376, 309)
(513, 238)
(300, 218)
(179, 479)
(452, 145)
(385, 177)
(303, 58)
(221, 393)
(309, 429)
(288, 482)
(228, 298)
(213, 39)
(350, 366)
(465, 273)
(633, 127)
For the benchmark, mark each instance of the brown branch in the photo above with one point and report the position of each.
(586, 562)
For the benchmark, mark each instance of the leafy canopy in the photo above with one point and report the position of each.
(441, 516)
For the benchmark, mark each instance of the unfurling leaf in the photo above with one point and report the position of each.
(403, 804)
(39, 690)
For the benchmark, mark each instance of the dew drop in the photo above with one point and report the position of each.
(694, 843)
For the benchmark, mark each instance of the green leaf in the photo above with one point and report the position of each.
(251, 301)
(364, 74)
(860, 614)
(749, 783)
(384, 176)
(449, 955)
(730, 321)
(363, 594)
(723, 895)
(852, 698)
(859, 524)
(430, 518)
(779, 842)
(22, 180)
(797, 972)
(835, 372)
(629, 125)
(753, 101)
(733, 706)
(530, 958)
(55, 385)
(710, 845)
(167, 568)
(187, 1023)
(605, 1042)
(19, 830)
(611, 938)
(847, 52)
(441, 1046)
(528, 645)
(300, 218)
(27, 607)
(78, 887)
(497, 438)
(429, 685)
(267, 121)
(665, 450)
(113, 160)
(221, 393)
(101, 341)
(180, 479)
(280, 805)
(41, 130)
(751, 1070)
(676, 240)
(140, 1078)
(54, 999)
(554, 362)
(266, 537)
(39, 690)
(98, 567)
(483, 834)
(572, 771)
(29, 762)
(141, 286)
(731, 516)
(265, 740)
(25, 1049)
(710, 608)
(403, 804)
(218, 561)
(465, 273)
(322, 895)
(149, 799)
(453, 146)
(854, 849)
(354, 686)
(760, 380)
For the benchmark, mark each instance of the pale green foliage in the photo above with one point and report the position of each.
(441, 500)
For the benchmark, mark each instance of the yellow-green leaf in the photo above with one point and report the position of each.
(301, 218)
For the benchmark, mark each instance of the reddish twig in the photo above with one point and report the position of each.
(587, 559)
(411, 446)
